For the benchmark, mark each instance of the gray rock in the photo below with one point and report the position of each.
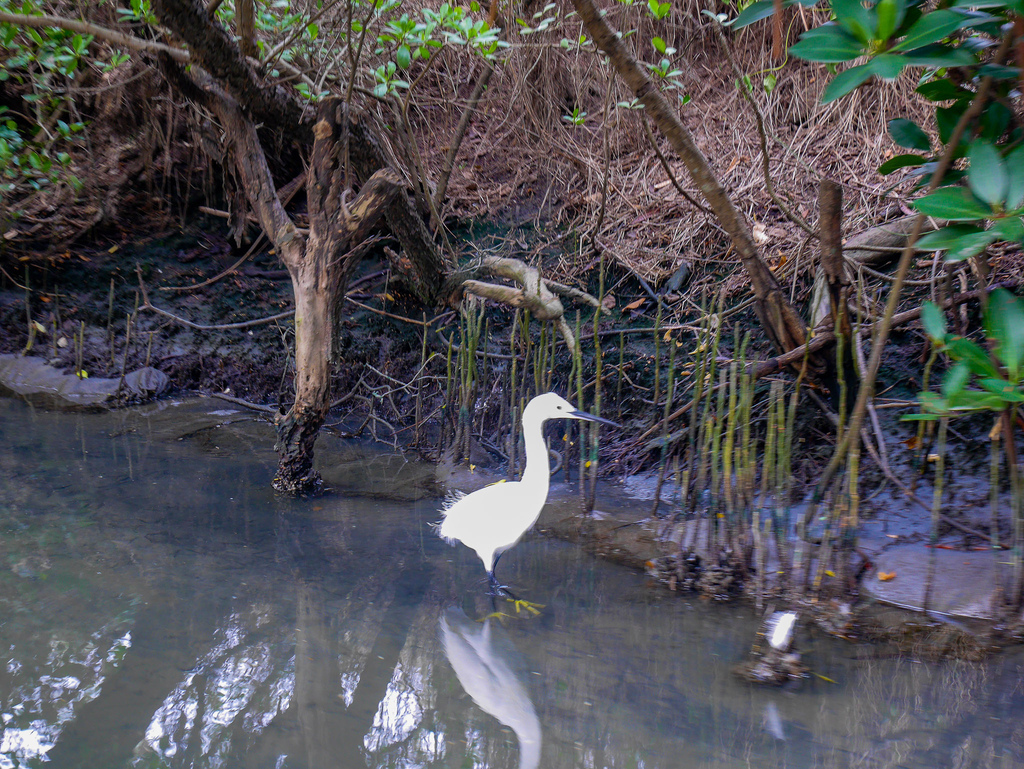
(146, 382)
(36, 381)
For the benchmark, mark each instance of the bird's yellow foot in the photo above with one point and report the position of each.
(498, 615)
(520, 605)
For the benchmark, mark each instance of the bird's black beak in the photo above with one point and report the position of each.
(591, 418)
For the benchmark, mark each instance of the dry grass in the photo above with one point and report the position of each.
(522, 157)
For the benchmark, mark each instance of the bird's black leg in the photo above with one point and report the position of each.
(496, 588)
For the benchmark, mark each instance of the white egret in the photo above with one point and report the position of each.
(781, 626)
(494, 518)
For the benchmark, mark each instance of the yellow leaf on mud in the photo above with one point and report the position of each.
(886, 576)
(912, 442)
(635, 305)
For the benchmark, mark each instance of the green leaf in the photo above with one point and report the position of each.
(963, 349)
(938, 55)
(970, 245)
(932, 403)
(956, 380)
(946, 119)
(762, 9)
(1007, 391)
(987, 176)
(403, 57)
(931, 28)
(900, 161)
(829, 44)
(972, 400)
(1004, 323)
(845, 82)
(1009, 228)
(919, 417)
(887, 65)
(890, 14)
(945, 237)
(659, 44)
(999, 72)
(954, 203)
(942, 90)
(934, 321)
(995, 120)
(908, 134)
(859, 21)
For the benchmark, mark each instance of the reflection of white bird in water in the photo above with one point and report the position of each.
(483, 659)
(494, 518)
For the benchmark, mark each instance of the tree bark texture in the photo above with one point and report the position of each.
(319, 277)
(247, 27)
(425, 265)
(784, 326)
(319, 264)
(842, 372)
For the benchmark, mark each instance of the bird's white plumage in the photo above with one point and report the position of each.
(494, 518)
(780, 629)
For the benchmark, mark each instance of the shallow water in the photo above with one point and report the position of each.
(161, 607)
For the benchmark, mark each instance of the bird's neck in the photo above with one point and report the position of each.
(537, 473)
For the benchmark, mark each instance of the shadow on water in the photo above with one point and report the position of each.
(161, 607)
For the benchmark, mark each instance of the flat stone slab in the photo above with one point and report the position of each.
(43, 385)
(40, 383)
(964, 584)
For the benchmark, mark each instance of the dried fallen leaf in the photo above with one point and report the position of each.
(886, 576)
(635, 305)
(912, 442)
(609, 302)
